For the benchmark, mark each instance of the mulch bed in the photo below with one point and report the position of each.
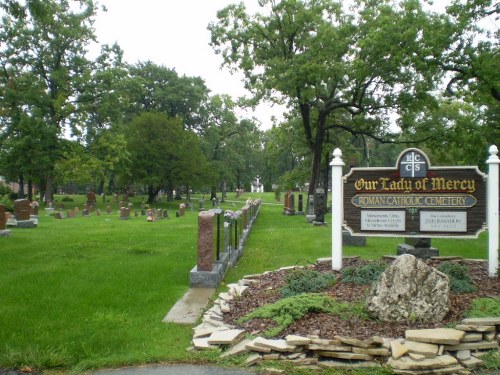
(266, 291)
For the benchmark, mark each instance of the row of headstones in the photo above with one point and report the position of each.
(219, 234)
(315, 206)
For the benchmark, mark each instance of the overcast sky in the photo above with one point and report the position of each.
(173, 33)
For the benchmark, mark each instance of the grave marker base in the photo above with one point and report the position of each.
(27, 223)
(418, 252)
(5, 233)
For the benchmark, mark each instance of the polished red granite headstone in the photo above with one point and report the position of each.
(205, 240)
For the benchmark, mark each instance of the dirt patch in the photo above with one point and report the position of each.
(266, 291)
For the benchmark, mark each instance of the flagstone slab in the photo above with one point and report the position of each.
(447, 336)
(406, 363)
(479, 345)
(226, 337)
(276, 345)
(239, 348)
(429, 350)
(297, 340)
(471, 362)
(473, 328)
(454, 370)
(490, 321)
(398, 349)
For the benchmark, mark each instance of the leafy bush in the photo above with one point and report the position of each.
(306, 281)
(287, 310)
(67, 198)
(363, 275)
(5, 190)
(5, 200)
(460, 281)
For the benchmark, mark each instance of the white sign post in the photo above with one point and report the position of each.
(337, 209)
(493, 162)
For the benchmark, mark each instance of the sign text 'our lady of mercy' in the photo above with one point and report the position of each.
(415, 199)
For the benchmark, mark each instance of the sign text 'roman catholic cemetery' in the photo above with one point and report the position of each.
(415, 199)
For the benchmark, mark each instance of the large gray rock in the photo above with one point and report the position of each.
(410, 290)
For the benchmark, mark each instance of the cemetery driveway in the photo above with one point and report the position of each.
(173, 370)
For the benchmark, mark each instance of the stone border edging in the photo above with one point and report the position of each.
(422, 351)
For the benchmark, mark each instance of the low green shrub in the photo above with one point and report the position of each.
(287, 310)
(9, 204)
(458, 274)
(5, 190)
(363, 275)
(484, 308)
(306, 281)
(67, 198)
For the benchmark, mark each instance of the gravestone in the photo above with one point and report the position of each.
(420, 247)
(59, 215)
(300, 210)
(71, 213)
(86, 211)
(165, 214)
(350, 240)
(98, 212)
(320, 206)
(287, 203)
(205, 240)
(201, 204)
(91, 200)
(291, 204)
(310, 209)
(3, 222)
(22, 212)
(182, 208)
(22, 209)
(124, 213)
(109, 210)
(34, 208)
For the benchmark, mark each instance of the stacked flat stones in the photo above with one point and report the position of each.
(445, 350)
(424, 351)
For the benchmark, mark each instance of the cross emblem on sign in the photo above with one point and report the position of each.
(413, 164)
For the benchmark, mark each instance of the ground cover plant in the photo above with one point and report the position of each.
(90, 292)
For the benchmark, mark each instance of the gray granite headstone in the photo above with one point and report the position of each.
(320, 205)
(419, 247)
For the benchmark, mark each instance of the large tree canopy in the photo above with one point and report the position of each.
(352, 69)
(42, 61)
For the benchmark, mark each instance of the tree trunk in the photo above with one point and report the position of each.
(20, 190)
(49, 190)
(151, 194)
(223, 191)
(30, 190)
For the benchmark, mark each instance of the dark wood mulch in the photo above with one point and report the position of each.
(266, 291)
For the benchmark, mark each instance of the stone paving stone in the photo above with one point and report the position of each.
(429, 350)
(472, 328)
(398, 349)
(447, 336)
(479, 345)
(276, 345)
(226, 337)
(239, 348)
(406, 363)
(491, 321)
(297, 340)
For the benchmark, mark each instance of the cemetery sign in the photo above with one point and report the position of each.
(415, 200)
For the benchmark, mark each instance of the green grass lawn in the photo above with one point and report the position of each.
(89, 292)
